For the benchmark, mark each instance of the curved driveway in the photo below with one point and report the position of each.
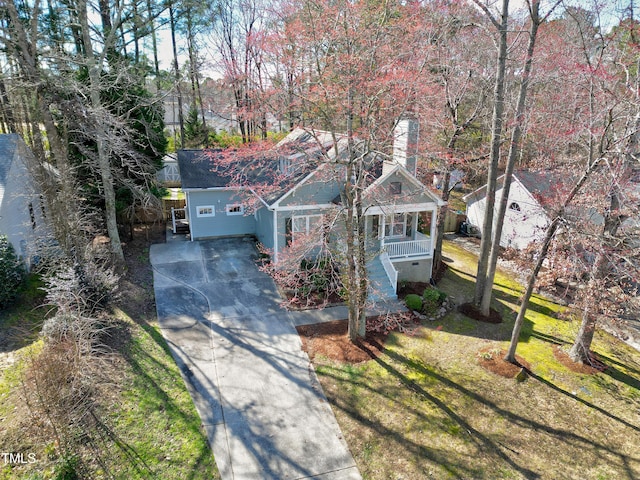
(255, 390)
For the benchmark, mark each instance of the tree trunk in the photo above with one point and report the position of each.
(362, 277)
(496, 139)
(487, 295)
(104, 162)
(524, 302)
(7, 110)
(582, 344)
(176, 72)
(542, 255)
(580, 350)
(437, 252)
(135, 32)
(154, 43)
(352, 268)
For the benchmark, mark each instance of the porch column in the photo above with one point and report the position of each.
(434, 215)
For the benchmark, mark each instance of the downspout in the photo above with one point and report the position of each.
(275, 236)
(434, 232)
(187, 213)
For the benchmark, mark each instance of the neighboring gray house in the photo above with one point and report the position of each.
(396, 202)
(22, 208)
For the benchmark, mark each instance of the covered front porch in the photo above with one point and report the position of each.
(399, 233)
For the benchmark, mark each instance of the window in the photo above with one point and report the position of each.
(33, 216)
(235, 209)
(395, 225)
(42, 207)
(395, 188)
(375, 226)
(514, 206)
(285, 166)
(305, 225)
(206, 211)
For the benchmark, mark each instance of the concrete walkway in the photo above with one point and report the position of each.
(260, 402)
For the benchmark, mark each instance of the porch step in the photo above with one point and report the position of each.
(182, 227)
(380, 288)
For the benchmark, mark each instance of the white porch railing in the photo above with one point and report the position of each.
(390, 270)
(412, 248)
(177, 214)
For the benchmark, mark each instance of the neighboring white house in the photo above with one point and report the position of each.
(22, 208)
(525, 219)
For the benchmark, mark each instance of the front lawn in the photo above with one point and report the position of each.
(146, 425)
(425, 408)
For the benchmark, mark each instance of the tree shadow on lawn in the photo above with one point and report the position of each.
(502, 332)
(458, 285)
(616, 375)
(483, 442)
(160, 399)
(462, 287)
(450, 460)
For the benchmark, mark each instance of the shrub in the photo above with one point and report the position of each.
(83, 331)
(431, 299)
(84, 289)
(413, 302)
(11, 272)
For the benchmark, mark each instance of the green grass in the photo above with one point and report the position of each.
(180, 195)
(20, 323)
(151, 428)
(155, 399)
(426, 409)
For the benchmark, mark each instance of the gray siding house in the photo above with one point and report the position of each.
(398, 206)
(22, 208)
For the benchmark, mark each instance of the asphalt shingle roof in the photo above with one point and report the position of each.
(297, 153)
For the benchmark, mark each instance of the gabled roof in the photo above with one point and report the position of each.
(399, 169)
(277, 171)
(542, 186)
(292, 162)
(197, 170)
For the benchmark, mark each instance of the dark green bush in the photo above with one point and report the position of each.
(413, 302)
(432, 299)
(11, 272)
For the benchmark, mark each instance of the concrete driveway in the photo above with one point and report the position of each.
(255, 390)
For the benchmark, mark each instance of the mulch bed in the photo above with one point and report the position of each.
(493, 360)
(596, 365)
(471, 311)
(418, 288)
(314, 300)
(330, 340)
(406, 288)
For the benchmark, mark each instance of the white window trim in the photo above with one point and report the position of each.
(392, 224)
(202, 215)
(307, 224)
(230, 206)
